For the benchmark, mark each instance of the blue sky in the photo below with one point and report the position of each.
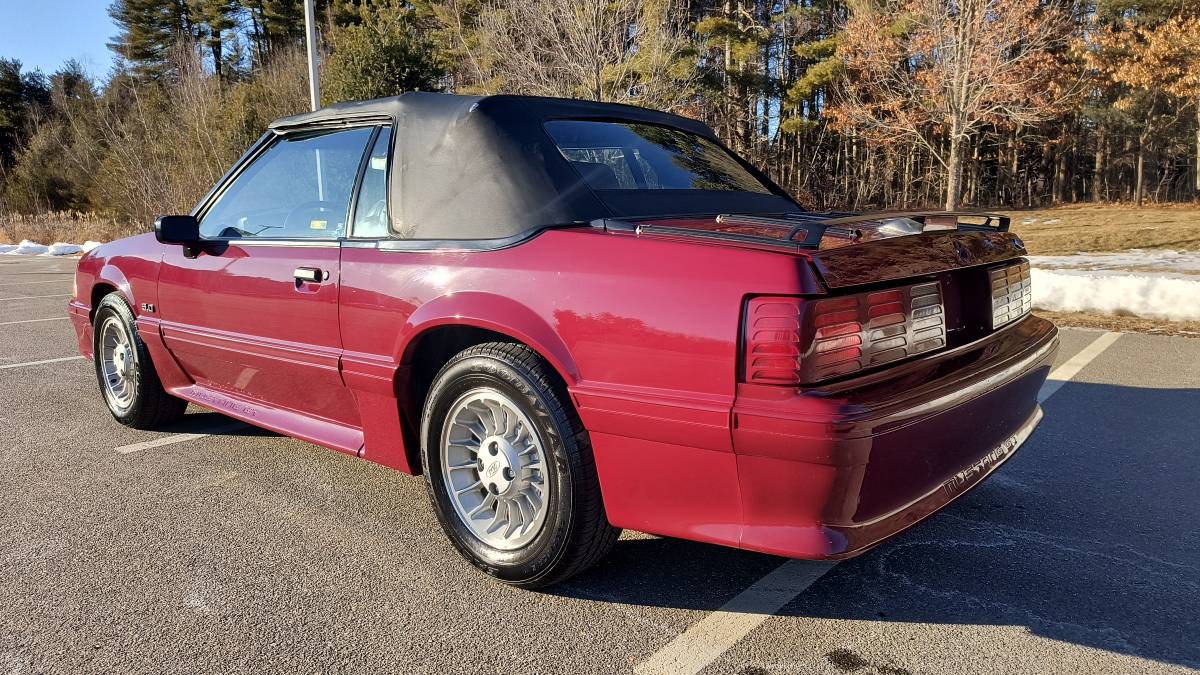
(44, 33)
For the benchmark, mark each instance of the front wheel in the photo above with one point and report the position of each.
(127, 378)
(510, 470)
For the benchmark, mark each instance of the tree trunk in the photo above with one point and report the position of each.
(908, 157)
(1060, 173)
(726, 87)
(1196, 185)
(216, 54)
(953, 170)
(1098, 170)
(1139, 190)
(257, 40)
(1014, 169)
(973, 190)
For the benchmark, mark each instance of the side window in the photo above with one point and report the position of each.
(370, 211)
(298, 188)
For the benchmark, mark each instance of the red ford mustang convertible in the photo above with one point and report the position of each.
(573, 318)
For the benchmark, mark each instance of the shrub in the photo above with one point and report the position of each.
(384, 55)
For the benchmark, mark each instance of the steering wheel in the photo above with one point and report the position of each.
(308, 208)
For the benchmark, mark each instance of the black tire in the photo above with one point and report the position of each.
(150, 406)
(576, 532)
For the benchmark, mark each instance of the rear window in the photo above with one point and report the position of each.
(627, 156)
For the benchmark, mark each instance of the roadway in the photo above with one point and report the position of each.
(215, 547)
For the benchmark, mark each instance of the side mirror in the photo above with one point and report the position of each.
(179, 230)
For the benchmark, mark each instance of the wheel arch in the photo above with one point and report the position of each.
(99, 290)
(440, 330)
(110, 280)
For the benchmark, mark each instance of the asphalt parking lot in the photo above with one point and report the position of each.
(129, 551)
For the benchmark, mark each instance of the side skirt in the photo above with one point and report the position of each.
(318, 431)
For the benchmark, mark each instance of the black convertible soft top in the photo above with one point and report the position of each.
(471, 167)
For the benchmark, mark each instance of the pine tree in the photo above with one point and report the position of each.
(13, 110)
(149, 30)
(214, 18)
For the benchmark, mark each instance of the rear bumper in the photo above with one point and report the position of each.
(829, 473)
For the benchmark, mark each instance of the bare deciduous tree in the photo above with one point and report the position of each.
(935, 71)
(604, 50)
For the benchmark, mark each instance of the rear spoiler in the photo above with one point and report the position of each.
(807, 230)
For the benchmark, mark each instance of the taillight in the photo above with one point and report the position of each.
(792, 341)
(772, 341)
(1012, 296)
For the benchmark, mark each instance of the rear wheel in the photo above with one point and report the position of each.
(510, 469)
(126, 376)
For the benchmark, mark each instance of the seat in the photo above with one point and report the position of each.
(598, 176)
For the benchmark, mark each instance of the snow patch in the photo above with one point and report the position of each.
(59, 248)
(27, 247)
(1158, 296)
(1166, 260)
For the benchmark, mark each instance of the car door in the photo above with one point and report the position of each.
(255, 314)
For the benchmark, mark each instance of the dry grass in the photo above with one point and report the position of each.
(1126, 324)
(65, 226)
(1071, 229)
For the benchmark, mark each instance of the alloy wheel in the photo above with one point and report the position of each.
(493, 466)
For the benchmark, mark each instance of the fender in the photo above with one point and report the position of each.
(492, 312)
(130, 265)
(144, 269)
(378, 385)
(112, 275)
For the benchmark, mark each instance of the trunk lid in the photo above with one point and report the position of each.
(855, 250)
(910, 284)
(925, 254)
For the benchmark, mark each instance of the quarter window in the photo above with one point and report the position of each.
(370, 211)
(299, 188)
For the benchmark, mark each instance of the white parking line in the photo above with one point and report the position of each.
(30, 283)
(40, 273)
(35, 297)
(1071, 367)
(704, 641)
(53, 318)
(708, 638)
(179, 438)
(6, 366)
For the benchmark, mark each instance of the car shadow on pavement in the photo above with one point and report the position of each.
(200, 421)
(1087, 536)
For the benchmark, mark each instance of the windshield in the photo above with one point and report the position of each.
(630, 156)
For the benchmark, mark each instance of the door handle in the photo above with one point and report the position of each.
(310, 274)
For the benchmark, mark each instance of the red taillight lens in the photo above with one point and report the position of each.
(772, 342)
(791, 341)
